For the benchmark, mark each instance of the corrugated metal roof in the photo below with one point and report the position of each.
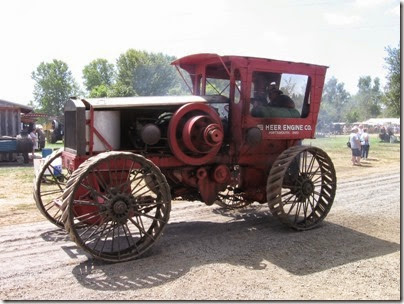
(9, 104)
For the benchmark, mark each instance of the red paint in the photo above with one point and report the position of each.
(203, 152)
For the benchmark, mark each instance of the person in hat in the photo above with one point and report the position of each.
(278, 99)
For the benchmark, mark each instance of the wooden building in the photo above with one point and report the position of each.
(10, 117)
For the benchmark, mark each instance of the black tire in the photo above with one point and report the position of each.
(116, 206)
(301, 187)
(53, 138)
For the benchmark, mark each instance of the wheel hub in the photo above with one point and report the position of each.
(118, 208)
(307, 188)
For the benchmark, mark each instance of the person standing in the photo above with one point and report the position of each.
(34, 139)
(365, 144)
(355, 146)
(41, 138)
(360, 130)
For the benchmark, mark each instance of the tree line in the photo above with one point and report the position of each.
(139, 73)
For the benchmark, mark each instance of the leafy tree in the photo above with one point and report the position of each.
(54, 85)
(99, 91)
(145, 73)
(368, 98)
(352, 116)
(392, 98)
(98, 75)
(120, 90)
(335, 101)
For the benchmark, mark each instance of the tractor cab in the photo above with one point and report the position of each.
(245, 83)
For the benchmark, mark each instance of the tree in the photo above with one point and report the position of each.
(98, 76)
(145, 73)
(335, 101)
(392, 98)
(54, 85)
(368, 98)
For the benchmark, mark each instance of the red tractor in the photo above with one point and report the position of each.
(126, 158)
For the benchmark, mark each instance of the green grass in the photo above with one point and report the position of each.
(381, 155)
(16, 182)
(337, 145)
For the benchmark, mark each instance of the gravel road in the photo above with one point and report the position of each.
(208, 253)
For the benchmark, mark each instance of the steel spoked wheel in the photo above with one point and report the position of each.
(232, 197)
(48, 189)
(301, 187)
(117, 206)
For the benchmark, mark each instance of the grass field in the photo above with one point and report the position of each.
(380, 154)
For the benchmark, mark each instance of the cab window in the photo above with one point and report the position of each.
(279, 95)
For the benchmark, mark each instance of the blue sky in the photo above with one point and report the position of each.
(349, 36)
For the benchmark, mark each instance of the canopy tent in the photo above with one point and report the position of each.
(382, 121)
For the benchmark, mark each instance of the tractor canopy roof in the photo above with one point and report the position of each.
(189, 63)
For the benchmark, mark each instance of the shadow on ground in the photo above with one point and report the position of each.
(251, 240)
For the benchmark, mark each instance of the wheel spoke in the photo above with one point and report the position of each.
(131, 237)
(50, 192)
(140, 229)
(93, 191)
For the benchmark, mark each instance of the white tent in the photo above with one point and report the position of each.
(382, 121)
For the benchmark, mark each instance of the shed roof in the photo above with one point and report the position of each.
(13, 105)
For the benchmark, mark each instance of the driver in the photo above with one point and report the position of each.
(278, 99)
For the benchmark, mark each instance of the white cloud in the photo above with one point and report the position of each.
(339, 19)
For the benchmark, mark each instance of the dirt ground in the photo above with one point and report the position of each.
(208, 253)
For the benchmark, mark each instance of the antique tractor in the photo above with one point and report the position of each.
(126, 158)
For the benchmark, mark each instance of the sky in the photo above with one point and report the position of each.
(348, 36)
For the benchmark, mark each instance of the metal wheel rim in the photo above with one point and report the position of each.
(304, 203)
(49, 209)
(118, 239)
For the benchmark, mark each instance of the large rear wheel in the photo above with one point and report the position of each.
(301, 187)
(116, 206)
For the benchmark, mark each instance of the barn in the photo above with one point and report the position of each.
(10, 127)
(10, 117)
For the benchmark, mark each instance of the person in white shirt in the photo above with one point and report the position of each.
(355, 146)
(365, 144)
